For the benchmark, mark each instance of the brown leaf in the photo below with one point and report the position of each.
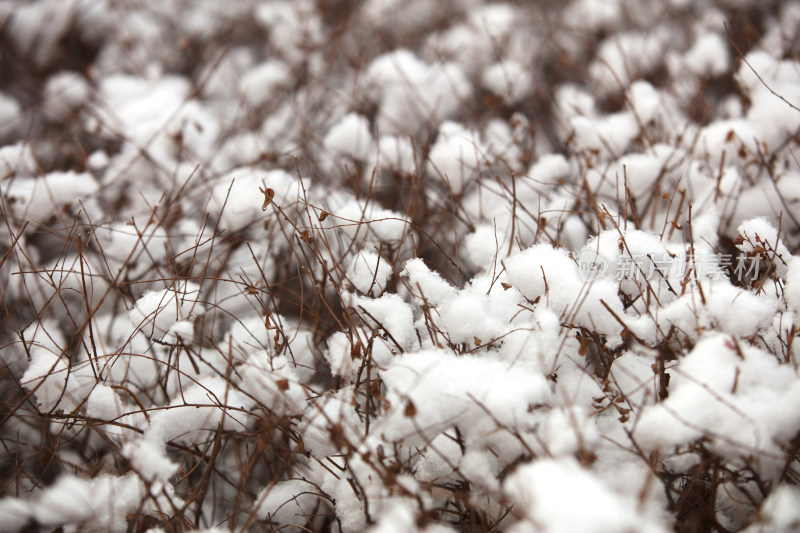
(269, 194)
(355, 352)
(305, 236)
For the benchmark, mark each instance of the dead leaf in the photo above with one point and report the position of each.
(269, 194)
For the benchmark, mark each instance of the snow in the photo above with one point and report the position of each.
(350, 136)
(48, 376)
(69, 500)
(368, 272)
(757, 235)
(508, 79)
(369, 223)
(236, 198)
(560, 496)
(708, 56)
(274, 384)
(544, 273)
(411, 93)
(727, 396)
(592, 16)
(644, 100)
(104, 403)
(549, 169)
(780, 512)
(160, 314)
(390, 314)
(396, 153)
(148, 459)
(41, 198)
(10, 115)
(456, 158)
(321, 417)
(398, 266)
(287, 502)
(435, 377)
(625, 57)
(17, 159)
(792, 288)
(481, 246)
(293, 26)
(64, 93)
(14, 514)
(209, 405)
(262, 83)
(774, 118)
(427, 284)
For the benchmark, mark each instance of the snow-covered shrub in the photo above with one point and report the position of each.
(399, 266)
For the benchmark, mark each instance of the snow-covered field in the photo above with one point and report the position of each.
(400, 265)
